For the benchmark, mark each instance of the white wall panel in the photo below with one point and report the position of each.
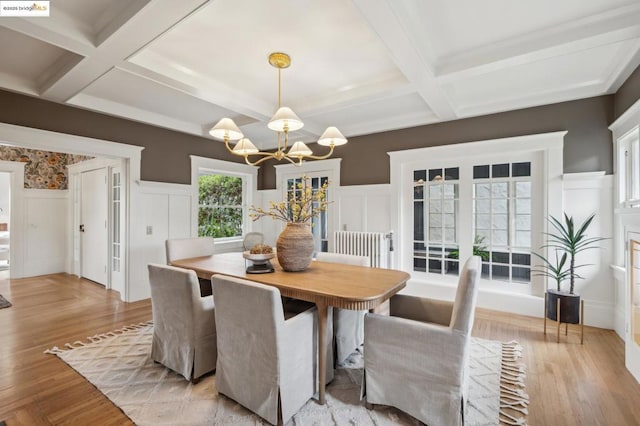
(179, 216)
(166, 213)
(584, 194)
(365, 208)
(45, 233)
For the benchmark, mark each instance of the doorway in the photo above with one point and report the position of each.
(5, 220)
(94, 225)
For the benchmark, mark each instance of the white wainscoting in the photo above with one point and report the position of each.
(45, 241)
(365, 208)
(166, 213)
(584, 194)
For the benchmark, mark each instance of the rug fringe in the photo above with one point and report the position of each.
(513, 400)
(98, 337)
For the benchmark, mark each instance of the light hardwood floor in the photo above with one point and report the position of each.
(569, 383)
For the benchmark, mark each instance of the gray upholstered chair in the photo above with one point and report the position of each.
(417, 359)
(184, 327)
(185, 248)
(267, 361)
(348, 325)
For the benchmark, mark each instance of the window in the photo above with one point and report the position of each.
(220, 206)
(502, 220)
(319, 224)
(487, 198)
(319, 172)
(435, 205)
(629, 169)
(220, 194)
(116, 193)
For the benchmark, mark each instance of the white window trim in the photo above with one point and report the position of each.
(250, 185)
(549, 147)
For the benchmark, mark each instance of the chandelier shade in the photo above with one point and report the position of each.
(245, 147)
(226, 129)
(282, 122)
(299, 149)
(332, 136)
(285, 119)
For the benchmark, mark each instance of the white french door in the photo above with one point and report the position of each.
(94, 214)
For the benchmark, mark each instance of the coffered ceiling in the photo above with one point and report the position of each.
(363, 66)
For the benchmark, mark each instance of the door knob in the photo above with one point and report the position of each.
(81, 228)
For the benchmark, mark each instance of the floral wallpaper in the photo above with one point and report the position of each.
(44, 169)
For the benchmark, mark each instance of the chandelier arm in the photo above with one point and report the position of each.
(226, 143)
(267, 156)
(321, 157)
(292, 161)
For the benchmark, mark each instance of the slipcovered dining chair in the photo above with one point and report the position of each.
(185, 248)
(267, 360)
(184, 327)
(348, 325)
(417, 359)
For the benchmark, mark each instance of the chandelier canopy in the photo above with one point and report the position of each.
(283, 122)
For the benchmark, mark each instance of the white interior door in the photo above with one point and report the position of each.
(94, 213)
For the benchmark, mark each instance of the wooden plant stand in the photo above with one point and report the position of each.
(566, 325)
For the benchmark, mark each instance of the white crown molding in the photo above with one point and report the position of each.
(582, 34)
(622, 69)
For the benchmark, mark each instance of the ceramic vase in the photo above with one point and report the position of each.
(295, 247)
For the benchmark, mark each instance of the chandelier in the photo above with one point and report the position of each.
(283, 122)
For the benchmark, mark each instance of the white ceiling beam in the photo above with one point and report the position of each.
(150, 22)
(404, 49)
(19, 84)
(582, 34)
(118, 109)
(53, 32)
(390, 123)
(580, 90)
(202, 88)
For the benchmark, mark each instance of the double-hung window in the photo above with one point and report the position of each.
(221, 193)
(220, 205)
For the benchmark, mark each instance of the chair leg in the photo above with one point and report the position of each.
(195, 380)
(369, 406)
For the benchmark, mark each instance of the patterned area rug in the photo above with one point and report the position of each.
(118, 364)
(4, 303)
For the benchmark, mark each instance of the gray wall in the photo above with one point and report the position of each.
(166, 154)
(587, 144)
(365, 160)
(628, 93)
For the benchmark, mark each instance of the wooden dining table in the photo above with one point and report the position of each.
(325, 284)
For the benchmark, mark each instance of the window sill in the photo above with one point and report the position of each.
(488, 285)
(224, 245)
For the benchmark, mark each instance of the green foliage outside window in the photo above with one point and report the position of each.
(220, 206)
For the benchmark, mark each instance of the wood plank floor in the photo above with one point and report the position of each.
(569, 383)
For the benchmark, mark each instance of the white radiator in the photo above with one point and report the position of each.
(376, 245)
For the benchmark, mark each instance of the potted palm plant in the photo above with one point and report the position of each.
(566, 240)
